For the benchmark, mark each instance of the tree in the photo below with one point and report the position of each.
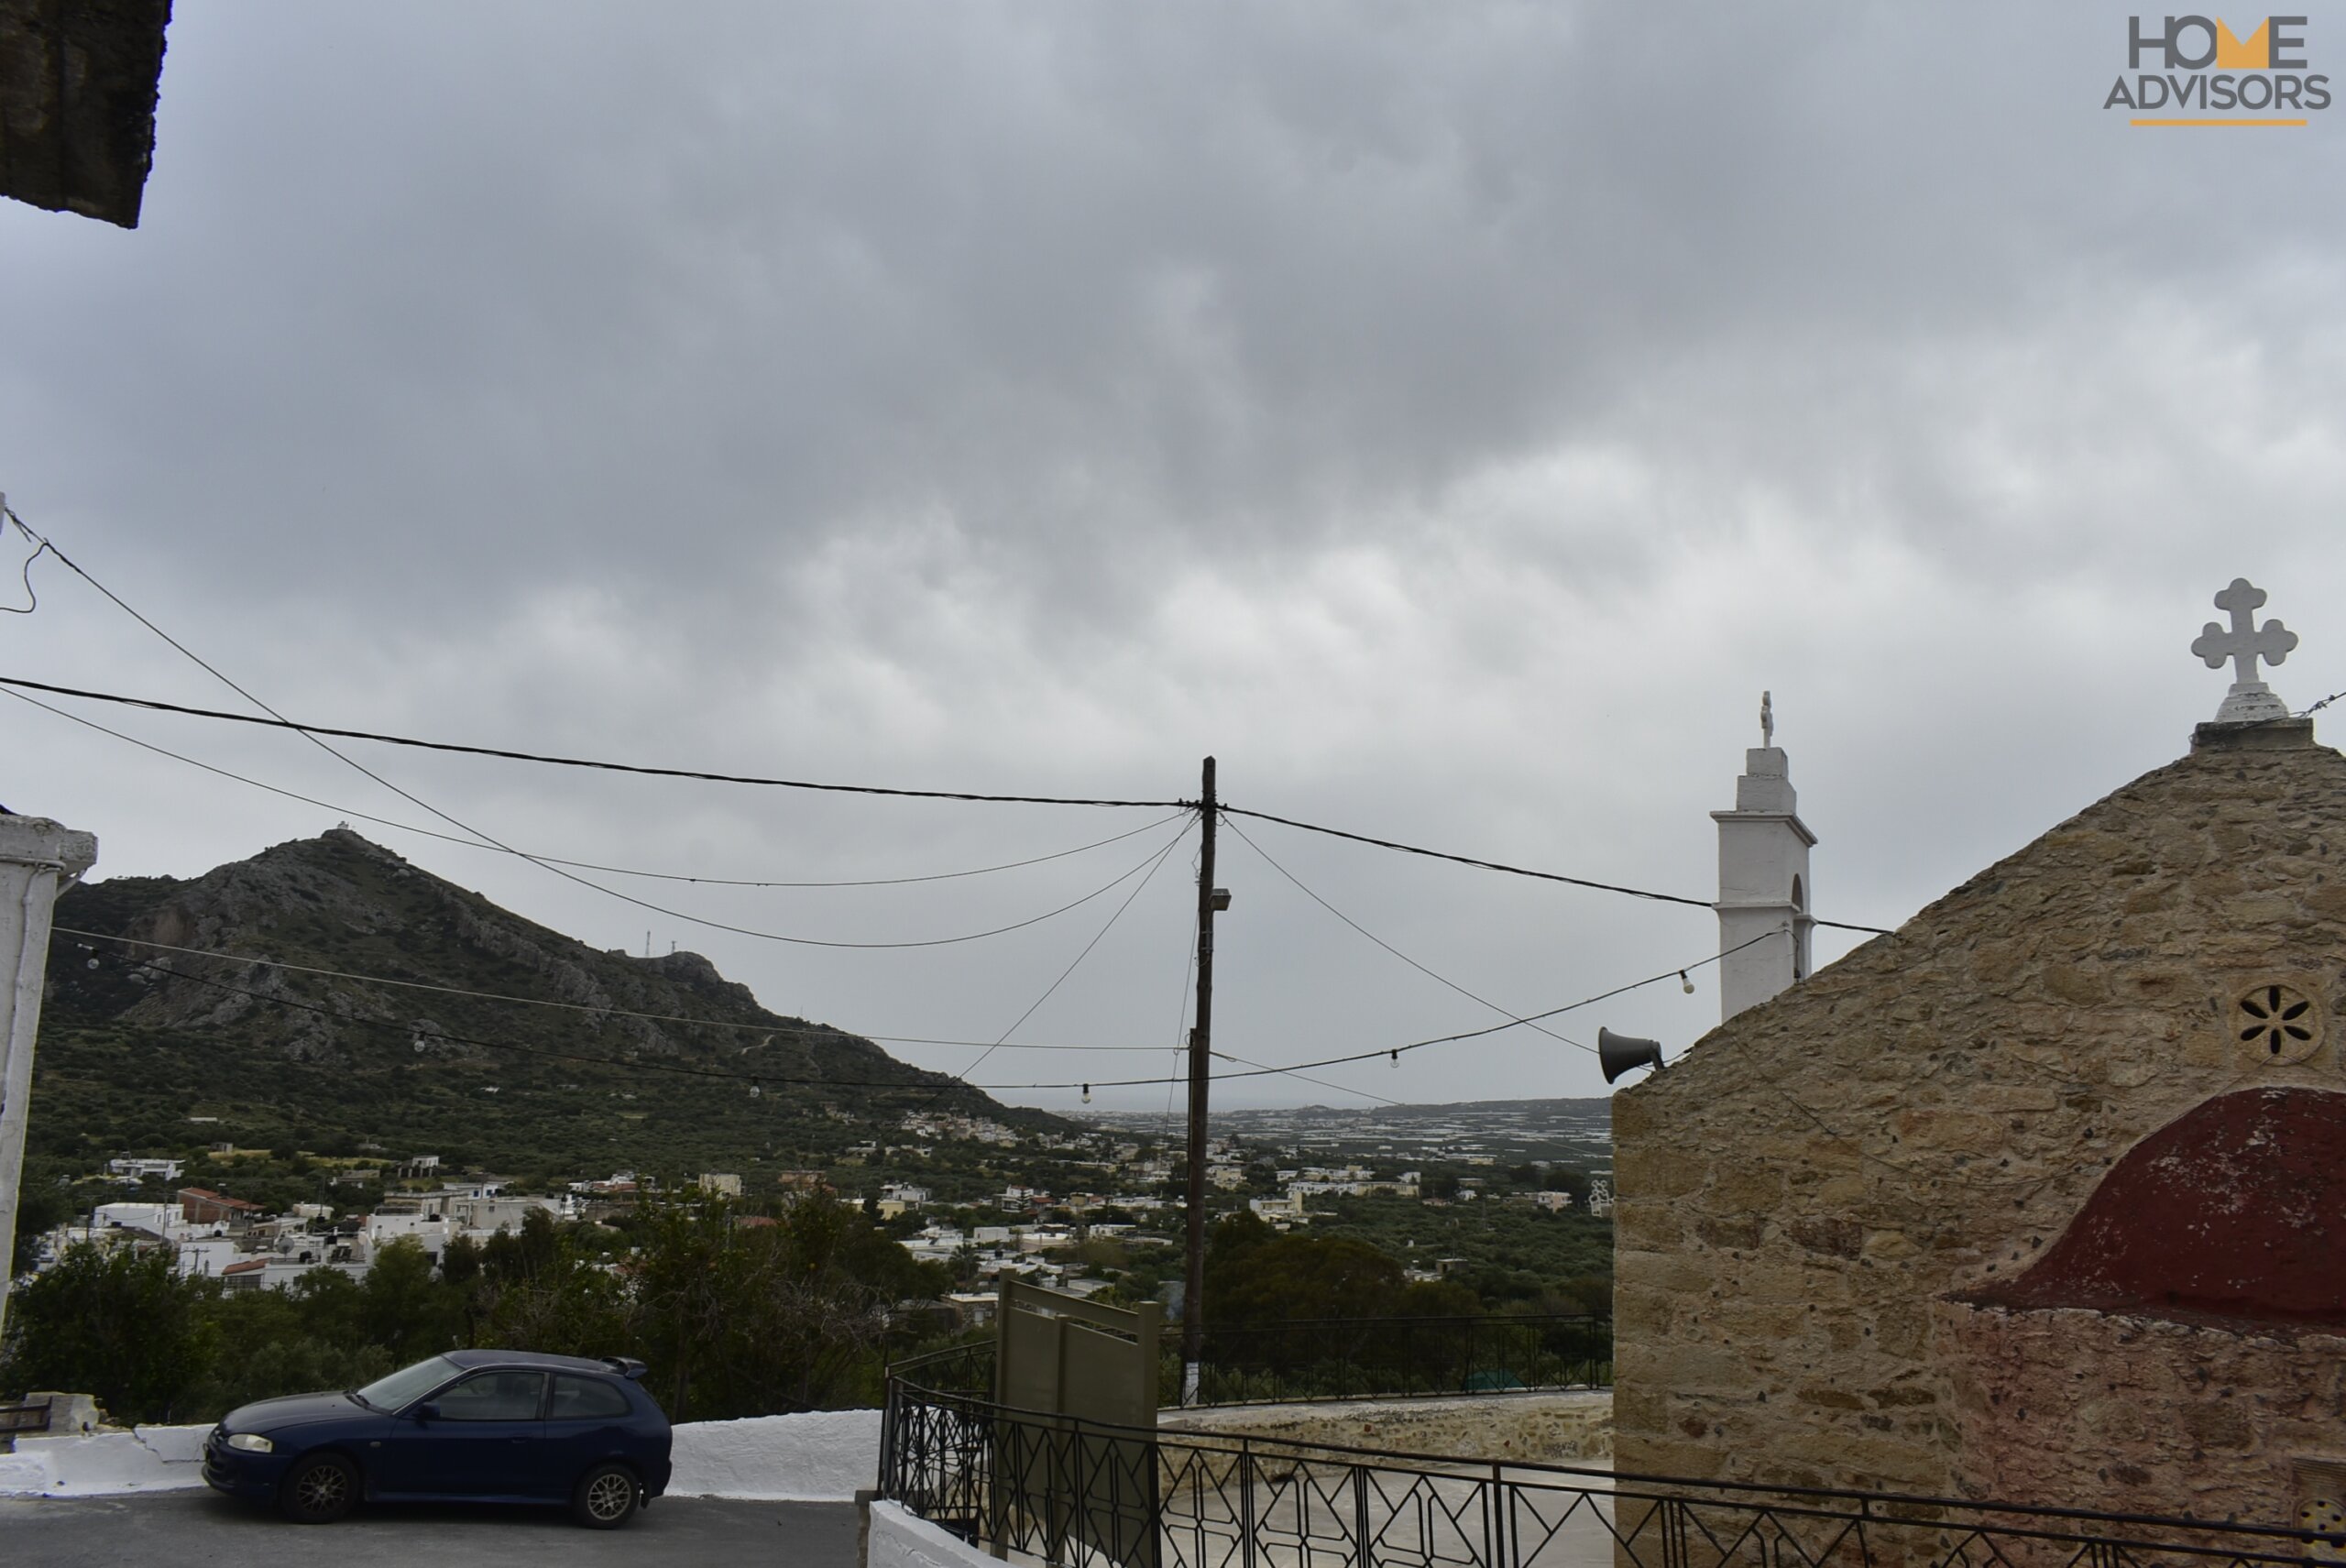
(460, 1260)
(41, 1207)
(402, 1308)
(1255, 1276)
(119, 1323)
(736, 1314)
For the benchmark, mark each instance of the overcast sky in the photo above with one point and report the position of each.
(1449, 415)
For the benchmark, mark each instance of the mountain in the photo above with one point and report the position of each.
(146, 1050)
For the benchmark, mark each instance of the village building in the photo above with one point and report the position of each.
(201, 1206)
(2041, 1197)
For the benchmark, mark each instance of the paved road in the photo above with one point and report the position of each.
(178, 1529)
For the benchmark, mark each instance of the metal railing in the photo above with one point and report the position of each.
(1355, 1358)
(956, 1370)
(1082, 1494)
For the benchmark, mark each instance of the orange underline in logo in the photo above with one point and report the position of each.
(2216, 122)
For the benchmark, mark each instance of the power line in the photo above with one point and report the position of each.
(861, 789)
(1511, 870)
(1306, 1078)
(1181, 1017)
(346, 811)
(550, 861)
(32, 600)
(1104, 929)
(312, 732)
(1396, 1051)
(557, 867)
(656, 1065)
(512, 756)
(804, 1031)
(309, 734)
(1389, 947)
(642, 1064)
(217, 674)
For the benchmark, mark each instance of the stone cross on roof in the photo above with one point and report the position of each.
(2250, 701)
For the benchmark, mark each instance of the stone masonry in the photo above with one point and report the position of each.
(1802, 1195)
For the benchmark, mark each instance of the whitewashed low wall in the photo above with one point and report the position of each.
(824, 1456)
(104, 1464)
(900, 1539)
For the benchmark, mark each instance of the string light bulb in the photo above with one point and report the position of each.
(1086, 1094)
(1397, 1061)
(1685, 985)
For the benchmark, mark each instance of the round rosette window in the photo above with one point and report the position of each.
(2277, 1022)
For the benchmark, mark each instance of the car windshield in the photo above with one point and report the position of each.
(408, 1383)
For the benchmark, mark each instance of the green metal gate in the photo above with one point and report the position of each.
(1062, 1355)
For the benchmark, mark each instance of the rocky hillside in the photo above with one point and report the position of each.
(149, 1050)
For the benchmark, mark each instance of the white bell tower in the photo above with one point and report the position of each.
(1764, 890)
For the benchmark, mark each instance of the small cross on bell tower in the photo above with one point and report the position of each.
(2250, 701)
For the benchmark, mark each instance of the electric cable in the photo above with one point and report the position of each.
(281, 720)
(1181, 1017)
(582, 865)
(1104, 929)
(1322, 1082)
(1148, 863)
(278, 722)
(1389, 947)
(950, 1082)
(814, 1031)
(1511, 870)
(643, 1064)
(313, 732)
(1396, 1051)
(488, 842)
(43, 547)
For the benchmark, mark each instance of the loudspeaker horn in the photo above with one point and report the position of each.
(1617, 1054)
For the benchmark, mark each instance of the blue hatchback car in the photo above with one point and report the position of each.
(486, 1425)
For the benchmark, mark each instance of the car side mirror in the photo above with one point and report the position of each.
(426, 1411)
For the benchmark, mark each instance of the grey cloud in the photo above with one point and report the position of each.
(1451, 414)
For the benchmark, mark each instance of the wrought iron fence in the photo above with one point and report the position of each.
(1353, 1358)
(956, 1370)
(1082, 1494)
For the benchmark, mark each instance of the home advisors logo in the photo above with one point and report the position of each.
(2204, 73)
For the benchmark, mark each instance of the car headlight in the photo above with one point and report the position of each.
(251, 1442)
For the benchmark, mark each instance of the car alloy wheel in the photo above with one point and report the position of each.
(320, 1490)
(606, 1497)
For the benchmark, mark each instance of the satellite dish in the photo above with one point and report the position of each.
(1617, 1054)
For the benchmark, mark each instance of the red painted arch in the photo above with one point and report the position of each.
(2236, 1210)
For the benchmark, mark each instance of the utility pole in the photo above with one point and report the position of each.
(37, 857)
(1193, 1290)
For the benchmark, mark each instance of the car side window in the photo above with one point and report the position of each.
(586, 1398)
(494, 1397)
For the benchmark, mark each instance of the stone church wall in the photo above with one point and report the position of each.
(1796, 1196)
